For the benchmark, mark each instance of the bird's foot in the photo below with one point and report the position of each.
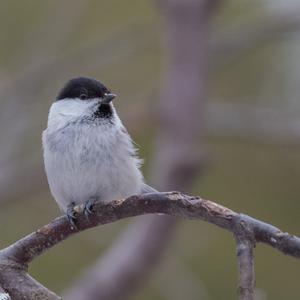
(72, 215)
(89, 207)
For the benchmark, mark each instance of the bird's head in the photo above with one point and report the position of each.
(84, 98)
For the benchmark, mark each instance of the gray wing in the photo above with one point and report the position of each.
(148, 189)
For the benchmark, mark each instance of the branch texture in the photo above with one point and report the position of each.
(15, 259)
(245, 245)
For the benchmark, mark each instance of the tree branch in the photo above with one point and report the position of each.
(15, 258)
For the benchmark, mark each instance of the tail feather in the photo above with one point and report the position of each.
(148, 189)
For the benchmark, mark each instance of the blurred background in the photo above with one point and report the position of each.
(244, 127)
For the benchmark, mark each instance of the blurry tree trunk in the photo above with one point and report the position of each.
(182, 106)
(119, 273)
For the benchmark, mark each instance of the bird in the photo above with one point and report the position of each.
(89, 155)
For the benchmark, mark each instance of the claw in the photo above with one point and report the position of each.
(72, 215)
(89, 207)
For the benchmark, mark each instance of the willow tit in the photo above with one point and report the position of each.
(88, 154)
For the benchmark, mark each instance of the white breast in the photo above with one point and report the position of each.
(85, 161)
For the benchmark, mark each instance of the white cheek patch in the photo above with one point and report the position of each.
(68, 110)
(72, 107)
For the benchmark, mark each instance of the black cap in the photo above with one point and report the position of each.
(83, 88)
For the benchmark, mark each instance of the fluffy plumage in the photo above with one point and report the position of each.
(88, 154)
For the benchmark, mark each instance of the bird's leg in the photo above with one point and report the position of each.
(72, 214)
(89, 207)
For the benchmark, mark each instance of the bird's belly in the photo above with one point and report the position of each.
(77, 176)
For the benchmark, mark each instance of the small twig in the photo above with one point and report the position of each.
(245, 245)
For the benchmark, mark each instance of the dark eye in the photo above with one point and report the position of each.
(83, 96)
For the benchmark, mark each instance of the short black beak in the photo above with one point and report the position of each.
(108, 98)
